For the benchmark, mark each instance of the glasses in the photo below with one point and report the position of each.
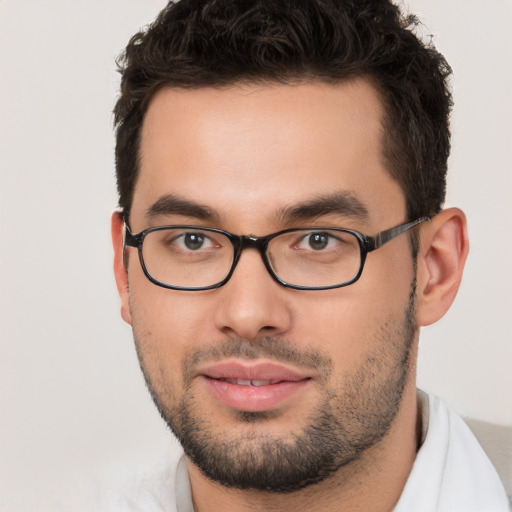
(193, 258)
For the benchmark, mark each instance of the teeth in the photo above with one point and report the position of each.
(244, 382)
(260, 382)
(239, 382)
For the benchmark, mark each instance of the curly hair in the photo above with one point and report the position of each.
(216, 43)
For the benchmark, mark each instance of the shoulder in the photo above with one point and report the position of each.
(496, 440)
(452, 471)
(138, 483)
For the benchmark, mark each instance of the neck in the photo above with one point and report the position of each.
(374, 482)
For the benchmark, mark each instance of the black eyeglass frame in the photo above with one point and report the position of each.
(241, 242)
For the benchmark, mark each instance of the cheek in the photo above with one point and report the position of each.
(352, 322)
(388, 275)
(164, 327)
(166, 322)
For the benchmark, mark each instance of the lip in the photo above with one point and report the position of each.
(254, 387)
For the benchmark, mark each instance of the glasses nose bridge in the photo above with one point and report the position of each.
(253, 242)
(243, 242)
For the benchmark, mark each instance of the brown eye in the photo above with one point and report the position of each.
(318, 241)
(193, 241)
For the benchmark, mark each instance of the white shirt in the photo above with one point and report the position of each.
(451, 473)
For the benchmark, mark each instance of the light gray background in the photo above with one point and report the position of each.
(73, 402)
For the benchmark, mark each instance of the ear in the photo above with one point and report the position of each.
(120, 270)
(443, 250)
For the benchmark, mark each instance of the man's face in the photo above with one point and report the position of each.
(265, 386)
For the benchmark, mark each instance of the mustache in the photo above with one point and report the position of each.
(272, 348)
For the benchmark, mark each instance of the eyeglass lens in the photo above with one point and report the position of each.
(196, 258)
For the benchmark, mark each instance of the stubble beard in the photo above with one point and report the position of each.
(355, 414)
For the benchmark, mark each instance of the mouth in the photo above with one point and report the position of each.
(253, 387)
(243, 382)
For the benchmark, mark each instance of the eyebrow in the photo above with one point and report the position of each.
(340, 203)
(171, 204)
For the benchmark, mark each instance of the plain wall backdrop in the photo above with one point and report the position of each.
(72, 399)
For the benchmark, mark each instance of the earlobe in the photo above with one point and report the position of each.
(120, 270)
(443, 250)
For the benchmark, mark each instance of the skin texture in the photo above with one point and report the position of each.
(247, 154)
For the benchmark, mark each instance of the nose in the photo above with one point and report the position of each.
(251, 304)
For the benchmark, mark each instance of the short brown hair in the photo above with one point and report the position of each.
(202, 43)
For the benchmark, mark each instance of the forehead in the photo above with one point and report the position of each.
(247, 149)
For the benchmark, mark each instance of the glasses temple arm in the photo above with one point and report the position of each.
(384, 237)
(130, 239)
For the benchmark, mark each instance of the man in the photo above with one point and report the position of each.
(281, 170)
